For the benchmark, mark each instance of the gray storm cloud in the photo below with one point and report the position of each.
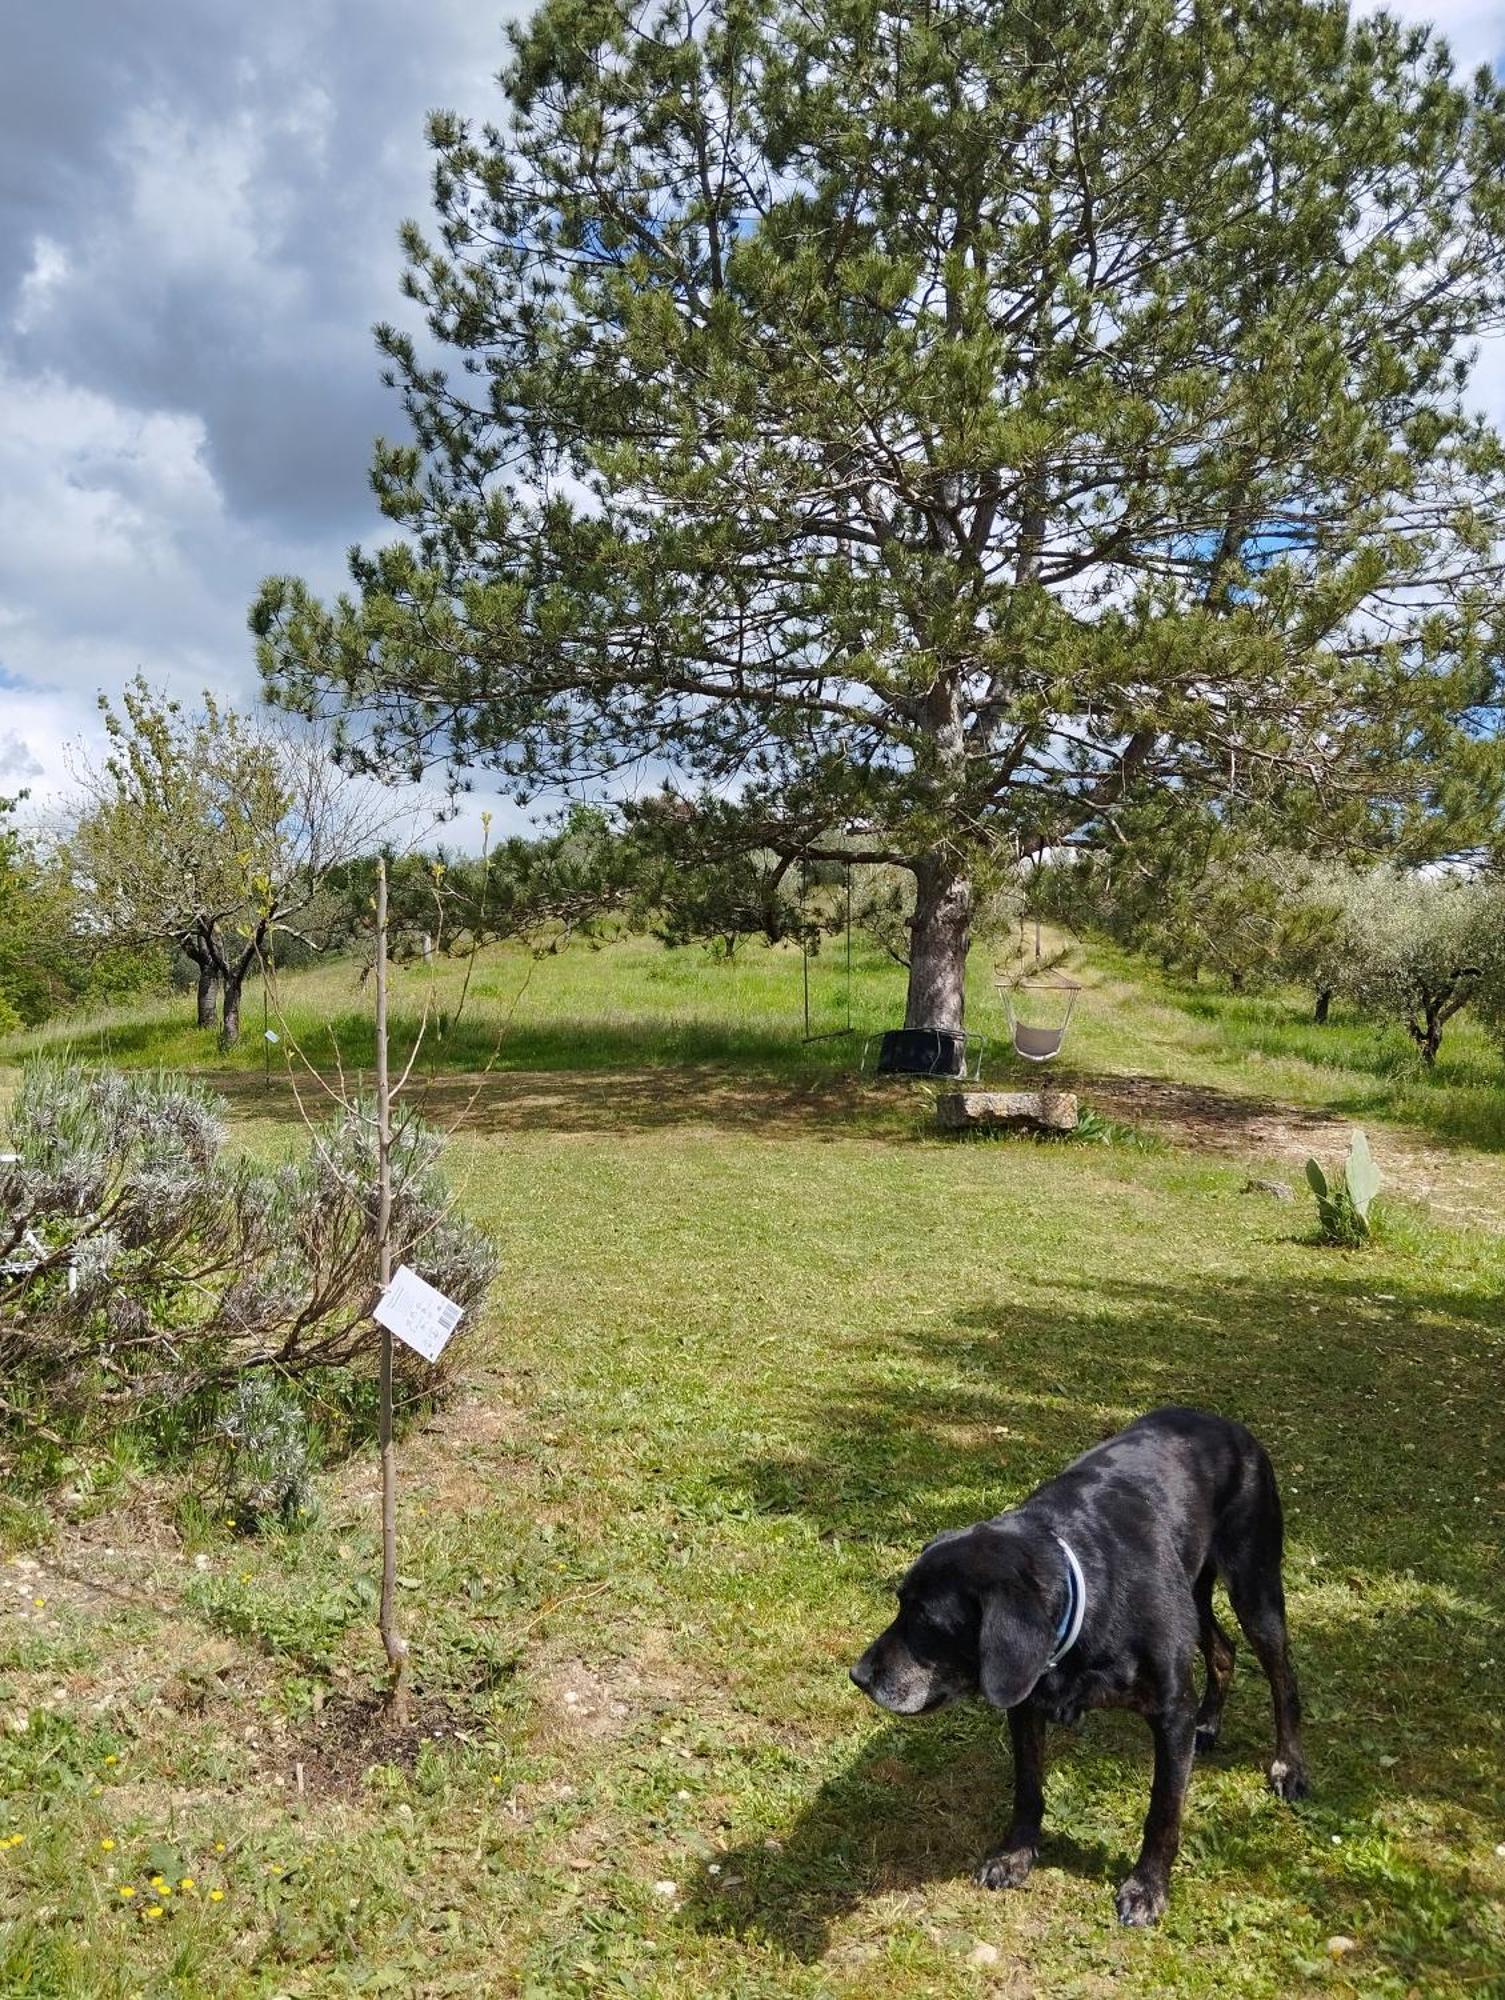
(199, 214)
(199, 209)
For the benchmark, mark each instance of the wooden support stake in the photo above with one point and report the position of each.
(393, 1642)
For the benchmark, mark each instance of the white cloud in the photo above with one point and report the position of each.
(112, 538)
(16, 760)
(118, 555)
(1473, 29)
(49, 270)
(37, 727)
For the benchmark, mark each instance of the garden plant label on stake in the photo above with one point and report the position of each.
(417, 1312)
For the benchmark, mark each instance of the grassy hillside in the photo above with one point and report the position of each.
(757, 1336)
(635, 1004)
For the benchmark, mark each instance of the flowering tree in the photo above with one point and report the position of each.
(212, 832)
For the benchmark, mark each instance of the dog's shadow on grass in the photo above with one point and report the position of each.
(915, 1806)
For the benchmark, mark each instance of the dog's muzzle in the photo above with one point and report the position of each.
(891, 1677)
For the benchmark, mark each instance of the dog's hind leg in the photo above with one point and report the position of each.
(1255, 1591)
(1217, 1651)
(1011, 1864)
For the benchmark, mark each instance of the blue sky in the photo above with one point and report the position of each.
(198, 219)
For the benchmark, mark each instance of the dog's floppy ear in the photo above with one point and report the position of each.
(1014, 1636)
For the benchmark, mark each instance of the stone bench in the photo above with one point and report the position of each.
(1006, 1111)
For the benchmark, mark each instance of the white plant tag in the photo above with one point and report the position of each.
(420, 1315)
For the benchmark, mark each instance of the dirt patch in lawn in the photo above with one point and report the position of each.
(1461, 1186)
(594, 1700)
(351, 1735)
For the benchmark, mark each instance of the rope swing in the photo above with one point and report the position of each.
(1034, 1042)
(830, 1034)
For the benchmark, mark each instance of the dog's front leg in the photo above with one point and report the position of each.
(1143, 1897)
(1011, 1864)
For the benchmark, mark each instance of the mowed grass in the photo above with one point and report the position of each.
(634, 1005)
(585, 1007)
(736, 1370)
(1138, 1018)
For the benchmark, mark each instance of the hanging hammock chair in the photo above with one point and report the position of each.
(1031, 1040)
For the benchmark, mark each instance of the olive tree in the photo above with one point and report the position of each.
(1415, 948)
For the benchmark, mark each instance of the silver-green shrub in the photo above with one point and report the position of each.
(137, 1257)
(262, 1463)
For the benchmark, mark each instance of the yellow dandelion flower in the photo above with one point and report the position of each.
(16, 1839)
(39, 1602)
(152, 1910)
(159, 1881)
(187, 1882)
(112, 1758)
(219, 1847)
(127, 1890)
(216, 1895)
(108, 1846)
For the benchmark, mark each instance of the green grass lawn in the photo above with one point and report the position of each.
(633, 1004)
(1269, 1044)
(754, 1340)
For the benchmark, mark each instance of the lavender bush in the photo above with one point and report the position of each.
(138, 1259)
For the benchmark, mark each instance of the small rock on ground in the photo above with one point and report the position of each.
(1281, 1190)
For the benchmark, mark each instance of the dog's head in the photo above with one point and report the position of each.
(974, 1618)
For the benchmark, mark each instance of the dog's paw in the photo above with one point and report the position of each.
(1141, 1901)
(1289, 1781)
(1007, 1870)
(1207, 1738)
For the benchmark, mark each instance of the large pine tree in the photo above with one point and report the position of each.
(942, 425)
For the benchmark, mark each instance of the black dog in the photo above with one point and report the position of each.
(1095, 1593)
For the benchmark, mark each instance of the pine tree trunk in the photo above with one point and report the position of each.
(208, 994)
(940, 935)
